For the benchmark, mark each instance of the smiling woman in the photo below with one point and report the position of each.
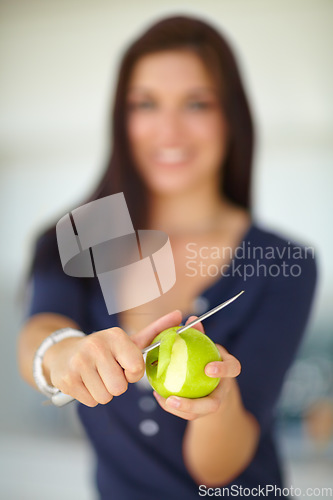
(182, 154)
(177, 131)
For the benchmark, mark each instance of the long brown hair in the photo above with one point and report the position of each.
(121, 175)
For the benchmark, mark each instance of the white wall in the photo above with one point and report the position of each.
(58, 62)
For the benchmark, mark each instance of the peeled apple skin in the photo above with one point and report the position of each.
(186, 372)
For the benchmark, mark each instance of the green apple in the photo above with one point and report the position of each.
(177, 366)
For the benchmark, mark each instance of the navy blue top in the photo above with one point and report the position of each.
(138, 445)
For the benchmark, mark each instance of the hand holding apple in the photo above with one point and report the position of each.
(193, 406)
(177, 366)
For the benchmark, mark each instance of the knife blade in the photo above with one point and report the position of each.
(195, 321)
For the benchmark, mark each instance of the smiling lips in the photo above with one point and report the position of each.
(171, 156)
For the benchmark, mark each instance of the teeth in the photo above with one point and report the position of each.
(171, 156)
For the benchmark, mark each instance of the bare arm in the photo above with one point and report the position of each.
(221, 436)
(219, 446)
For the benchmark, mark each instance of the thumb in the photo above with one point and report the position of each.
(144, 337)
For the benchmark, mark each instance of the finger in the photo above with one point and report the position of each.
(112, 375)
(174, 411)
(81, 394)
(190, 407)
(95, 386)
(198, 326)
(199, 406)
(127, 354)
(228, 367)
(147, 335)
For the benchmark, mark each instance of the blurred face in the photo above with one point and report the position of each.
(176, 128)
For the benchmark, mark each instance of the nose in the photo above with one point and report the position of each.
(170, 127)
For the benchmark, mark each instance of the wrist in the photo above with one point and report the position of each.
(52, 354)
(38, 363)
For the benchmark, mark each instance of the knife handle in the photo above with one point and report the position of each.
(61, 399)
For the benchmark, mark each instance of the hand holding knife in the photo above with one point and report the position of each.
(61, 399)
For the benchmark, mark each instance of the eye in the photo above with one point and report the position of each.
(142, 105)
(198, 105)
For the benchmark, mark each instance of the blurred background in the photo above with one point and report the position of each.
(58, 63)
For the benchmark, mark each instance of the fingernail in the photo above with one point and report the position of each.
(173, 401)
(211, 370)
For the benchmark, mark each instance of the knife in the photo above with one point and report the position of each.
(195, 321)
(61, 399)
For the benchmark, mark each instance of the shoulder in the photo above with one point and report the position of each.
(45, 252)
(277, 246)
(291, 263)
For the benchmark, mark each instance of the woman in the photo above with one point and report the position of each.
(182, 155)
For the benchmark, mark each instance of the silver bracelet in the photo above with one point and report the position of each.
(54, 338)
